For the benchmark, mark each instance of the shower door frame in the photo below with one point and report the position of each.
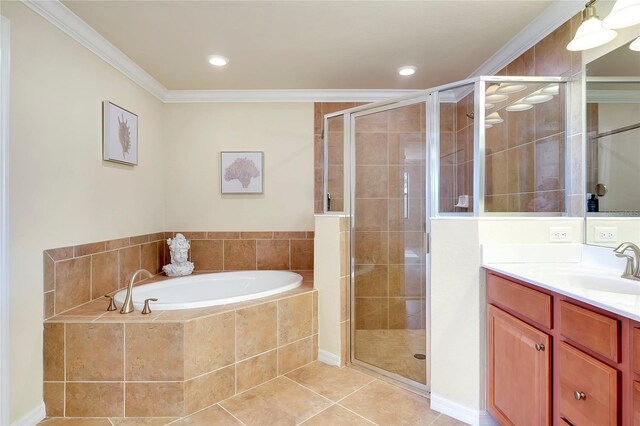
(349, 141)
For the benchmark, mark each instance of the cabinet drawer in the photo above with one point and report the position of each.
(596, 381)
(591, 330)
(532, 304)
(635, 350)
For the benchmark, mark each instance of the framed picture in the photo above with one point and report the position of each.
(241, 172)
(120, 134)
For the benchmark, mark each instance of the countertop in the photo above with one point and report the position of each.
(586, 273)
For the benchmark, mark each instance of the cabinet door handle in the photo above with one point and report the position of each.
(539, 347)
(579, 395)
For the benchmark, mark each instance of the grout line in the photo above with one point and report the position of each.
(310, 390)
(359, 415)
(232, 415)
(316, 414)
(64, 355)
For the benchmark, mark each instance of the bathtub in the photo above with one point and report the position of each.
(202, 290)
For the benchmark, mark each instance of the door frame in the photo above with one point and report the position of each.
(4, 220)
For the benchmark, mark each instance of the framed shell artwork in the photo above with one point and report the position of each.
(120, 134)
(241, 172)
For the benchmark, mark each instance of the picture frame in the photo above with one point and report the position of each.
(119, 134)
(242, 172)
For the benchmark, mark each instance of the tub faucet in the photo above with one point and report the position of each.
(632, 269)
(127, 306)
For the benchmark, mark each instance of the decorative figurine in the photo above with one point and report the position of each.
(179, 248)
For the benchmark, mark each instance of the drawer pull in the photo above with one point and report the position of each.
(539, 347)
(579, 395)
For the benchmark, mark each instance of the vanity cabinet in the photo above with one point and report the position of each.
(520, 369)
(555, 360)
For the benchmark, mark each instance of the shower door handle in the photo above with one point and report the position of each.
(426, 242)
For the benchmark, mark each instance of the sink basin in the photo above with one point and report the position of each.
(601, 283)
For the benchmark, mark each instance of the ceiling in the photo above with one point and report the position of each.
(308, 44)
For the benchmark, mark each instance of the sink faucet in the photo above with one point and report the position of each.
(632, 269)
(127, 306)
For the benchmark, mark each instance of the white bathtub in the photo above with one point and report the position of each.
(202, 290)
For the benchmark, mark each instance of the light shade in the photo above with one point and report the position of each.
(537, 98)
(493, 118)
(492, 96)
(519, 106)
(552, 89)
(591, 34)
(635, 45)
(507, 88)
(625, 13)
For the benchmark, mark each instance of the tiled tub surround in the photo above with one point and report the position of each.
(78, 274)
(173, 363)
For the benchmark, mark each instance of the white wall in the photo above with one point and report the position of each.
(195, 135)
(60, 191)
(458, 311)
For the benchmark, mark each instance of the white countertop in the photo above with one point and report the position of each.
(585, 273)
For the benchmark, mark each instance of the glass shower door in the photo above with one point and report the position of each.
(389, 263)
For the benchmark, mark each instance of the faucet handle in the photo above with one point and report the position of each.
(629, 268)
(112, 304)
(147, 309)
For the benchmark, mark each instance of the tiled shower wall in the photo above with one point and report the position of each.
(335, 136)
(526, 154)
(389, 266)
(78, 274)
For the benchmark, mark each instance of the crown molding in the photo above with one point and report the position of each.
(544, 24)
(286, 95)
(60, 16)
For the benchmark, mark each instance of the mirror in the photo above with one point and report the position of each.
(613, 148)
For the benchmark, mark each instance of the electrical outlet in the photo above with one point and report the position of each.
(606, 234)
(559, 234)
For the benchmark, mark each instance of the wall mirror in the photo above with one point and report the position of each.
(613, 148)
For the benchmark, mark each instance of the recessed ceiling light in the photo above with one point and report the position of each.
(408, 70)
(519, 106)
(218, 61)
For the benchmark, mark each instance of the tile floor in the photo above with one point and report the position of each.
(393, 350)
(313, 395)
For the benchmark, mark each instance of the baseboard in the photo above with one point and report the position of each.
(328, 358)
(33, 417)
(461, 412)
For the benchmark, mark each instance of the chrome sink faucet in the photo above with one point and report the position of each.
(127, 306)
(632, 269)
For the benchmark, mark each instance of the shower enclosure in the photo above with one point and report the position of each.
(488, 146)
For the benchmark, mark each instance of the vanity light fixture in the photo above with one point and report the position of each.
(492, 96)
(507, 88)
(218, 61)
(488, 106)
(488, 126)
(635, 45)
(591, 33)
(519, 106)
(552, 89)
(493, 118)
(537, 98)
(407, 70)
(625, 13)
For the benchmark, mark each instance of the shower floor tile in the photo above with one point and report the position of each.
(313, 395)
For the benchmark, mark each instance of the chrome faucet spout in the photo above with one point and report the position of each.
(127, 306)
(632, 268)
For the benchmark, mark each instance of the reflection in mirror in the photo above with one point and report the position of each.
(613, 148)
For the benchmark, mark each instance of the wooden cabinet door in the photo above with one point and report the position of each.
(519, 371)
